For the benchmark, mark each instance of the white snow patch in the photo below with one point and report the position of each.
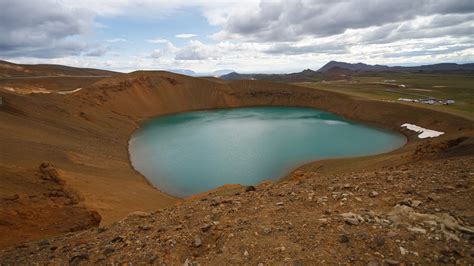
(68, 92)
(424, 133)
(41, 90)
(9, 89)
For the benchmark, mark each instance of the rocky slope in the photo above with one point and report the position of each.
(417, 213)
(32, 206)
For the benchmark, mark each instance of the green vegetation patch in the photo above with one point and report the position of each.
(392, 86)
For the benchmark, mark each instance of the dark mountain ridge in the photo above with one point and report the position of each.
(341, 70)
(361, 67)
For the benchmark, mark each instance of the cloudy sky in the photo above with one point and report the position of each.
(246, 36)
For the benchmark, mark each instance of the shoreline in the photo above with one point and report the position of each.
(400, 132)
(143, 176)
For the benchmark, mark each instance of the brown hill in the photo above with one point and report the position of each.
(26, 79)
(8, 69)
(85, 136)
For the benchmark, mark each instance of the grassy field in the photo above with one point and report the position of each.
(459, 88)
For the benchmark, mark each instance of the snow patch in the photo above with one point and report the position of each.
(69, 92)
(9, 89)
(424, 133)
(38, 90)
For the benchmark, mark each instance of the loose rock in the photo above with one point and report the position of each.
(373, 194)
(250, 189)
(343, 239)
(197, 241)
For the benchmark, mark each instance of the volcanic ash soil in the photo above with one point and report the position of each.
(417, 213)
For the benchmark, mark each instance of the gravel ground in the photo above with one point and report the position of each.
(417, 213)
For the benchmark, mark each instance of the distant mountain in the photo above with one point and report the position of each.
(192, 73)
(304, 76)
(361, 67)
(343, 71)
(183, 72)
(444, 67)
(235, 76)
(307, 75)
(8, 69)
(353, 67)
(221, 72)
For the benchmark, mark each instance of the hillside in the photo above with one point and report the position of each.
(8, 69)
(388, 217)
(27, 79)
(81, 139)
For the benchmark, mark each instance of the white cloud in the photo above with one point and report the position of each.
(275, 21)
(96, 52)
(156, 9)
(45, 32)
(156, 53)
(185, 35)
(158, 40)
(196, 50)
(251, 35)
(168, 50)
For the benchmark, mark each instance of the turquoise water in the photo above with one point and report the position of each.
(192, 152)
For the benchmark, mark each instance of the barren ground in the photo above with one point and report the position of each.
(85, 137)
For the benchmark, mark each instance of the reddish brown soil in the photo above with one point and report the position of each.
(38, 205)
(8, 69)
(85, 134)
(49, 84)
(308, 220)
